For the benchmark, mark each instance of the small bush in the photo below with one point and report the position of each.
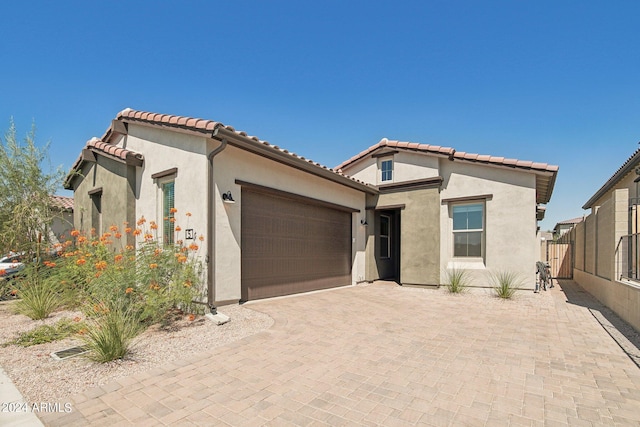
(505, 283)
(39, 296)
(48, 333)
(457, 280)
(110, 334)
(8, 289)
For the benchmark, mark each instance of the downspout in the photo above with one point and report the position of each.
(210, 259)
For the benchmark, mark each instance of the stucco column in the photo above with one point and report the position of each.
(620, 201)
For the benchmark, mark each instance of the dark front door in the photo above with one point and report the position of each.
(388, 244)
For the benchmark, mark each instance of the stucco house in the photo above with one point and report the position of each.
(276, 223)
(62, 222)
(563, 226)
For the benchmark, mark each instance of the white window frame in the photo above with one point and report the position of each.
(482, 230)
(383, 161)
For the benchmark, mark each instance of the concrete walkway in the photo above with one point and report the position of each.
(15, 411)
(393, 356)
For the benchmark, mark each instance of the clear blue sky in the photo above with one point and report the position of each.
(548, 81)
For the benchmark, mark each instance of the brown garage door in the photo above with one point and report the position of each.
(292, 245)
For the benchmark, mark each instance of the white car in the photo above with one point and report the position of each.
(10, 265)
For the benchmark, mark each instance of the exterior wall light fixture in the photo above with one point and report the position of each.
(227, 197)
(364, 222)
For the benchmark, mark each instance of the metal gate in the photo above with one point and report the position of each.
(560, 257)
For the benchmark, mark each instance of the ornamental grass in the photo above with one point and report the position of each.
(505, 283)
(458, 280)
(39, 294)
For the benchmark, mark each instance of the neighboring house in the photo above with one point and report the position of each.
(276, 223)
(564, 226)
(606, 256)
(62, 222)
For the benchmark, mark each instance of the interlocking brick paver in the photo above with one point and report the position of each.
(387, 355)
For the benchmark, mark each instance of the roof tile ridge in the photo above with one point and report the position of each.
(204, 124)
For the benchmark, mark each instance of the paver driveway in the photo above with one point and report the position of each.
(388, 355)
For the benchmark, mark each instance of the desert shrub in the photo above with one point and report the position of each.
(110, 333)
(152, 281)
(457, 280)
(63, 328)
(39, 294)
(505, 283)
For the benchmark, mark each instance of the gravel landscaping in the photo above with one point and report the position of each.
(40, 378)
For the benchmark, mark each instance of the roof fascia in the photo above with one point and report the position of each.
(285, 158)
(551, 186)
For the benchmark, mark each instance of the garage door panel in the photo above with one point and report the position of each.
(289, 246)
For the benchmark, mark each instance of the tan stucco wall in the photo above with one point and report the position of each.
(598, 237)
(410, 166)
(419, 237)
(578, 249)
(604, 244)
(61, 226)
(406, 167)
(510, 227)
(590, 245)
(165, 151)
(118, 204)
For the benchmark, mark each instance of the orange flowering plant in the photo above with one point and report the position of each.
(132, 269)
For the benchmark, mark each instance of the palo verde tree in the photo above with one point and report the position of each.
(25, 193)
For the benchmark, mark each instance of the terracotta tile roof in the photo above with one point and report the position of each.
(546, 174)
(571, 221)
(112, 150)
(209, 126)
(62, 202)
(452, 154)
(622, 171)
(109, 150)
(202, 125)
(384, 142)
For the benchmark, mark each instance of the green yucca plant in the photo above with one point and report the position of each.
(505, 283)
(457, 280)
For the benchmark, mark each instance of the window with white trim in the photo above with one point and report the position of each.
(468, 230)
(386, 170)
(385, 241)
(168, 205)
